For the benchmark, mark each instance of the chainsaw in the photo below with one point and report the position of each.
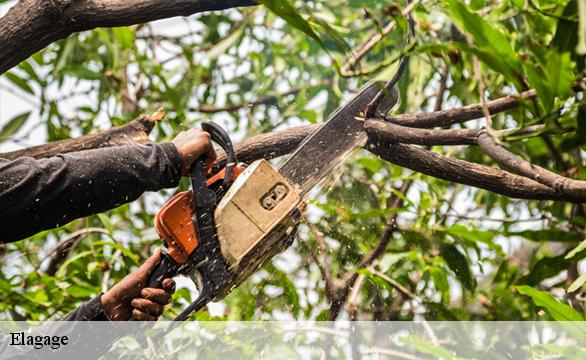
(232, 222)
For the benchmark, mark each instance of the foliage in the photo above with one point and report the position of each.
(459, 251)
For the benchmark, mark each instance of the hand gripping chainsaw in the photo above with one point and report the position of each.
(231, 223)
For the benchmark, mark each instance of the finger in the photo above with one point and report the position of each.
(147, 306)
(159, 296)
(141, 316)
(149, 265)
(169, 285)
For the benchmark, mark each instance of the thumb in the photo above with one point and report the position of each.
(149, 265)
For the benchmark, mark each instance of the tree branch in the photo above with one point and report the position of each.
(463, 172)
(407, 135)
(561, 184)
(135, 132)
(31, 25)
(446, 118)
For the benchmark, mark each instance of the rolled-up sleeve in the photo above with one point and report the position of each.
(40, 194)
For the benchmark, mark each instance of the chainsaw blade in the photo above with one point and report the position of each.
(328, 146)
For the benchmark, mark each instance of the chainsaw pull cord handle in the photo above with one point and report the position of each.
(221, 137)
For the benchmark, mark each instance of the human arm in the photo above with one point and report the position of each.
(40, 194)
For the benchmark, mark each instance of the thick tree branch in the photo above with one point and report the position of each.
(561, 184)
(407, 135)
(135, 132)
(31, 25)
(467, 173)
(446, 118)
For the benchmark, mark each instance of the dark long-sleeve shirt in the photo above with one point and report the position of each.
(41, 194)
(92, 310)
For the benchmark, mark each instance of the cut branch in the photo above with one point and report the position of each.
(31, 25)
(135, 132)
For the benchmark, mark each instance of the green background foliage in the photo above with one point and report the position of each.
(460, 253)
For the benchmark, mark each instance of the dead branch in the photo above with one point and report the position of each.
(31, 25)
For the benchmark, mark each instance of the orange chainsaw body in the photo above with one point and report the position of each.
(174, 223)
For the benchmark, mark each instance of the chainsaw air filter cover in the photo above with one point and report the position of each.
(260, 202)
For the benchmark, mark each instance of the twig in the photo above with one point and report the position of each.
(265, 100)
(365, 47)
(65, 245)
(352, 303)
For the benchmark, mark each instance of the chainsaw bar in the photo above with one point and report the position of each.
(328, 146)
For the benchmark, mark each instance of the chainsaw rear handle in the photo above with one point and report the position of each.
(167, 268)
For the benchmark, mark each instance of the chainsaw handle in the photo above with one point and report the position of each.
(167, 268)
(221, 137)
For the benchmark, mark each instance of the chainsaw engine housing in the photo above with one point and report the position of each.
(256, 217)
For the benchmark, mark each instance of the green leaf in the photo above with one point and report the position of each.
(427, 347)
(124, 37)
(286, 11)
(548, 267)
(576, 250)
(440, 280)
(13, 126)
(566, 33)
(577, 284)
(490, 41)
(81, 291)
(223, 45)
(557, 310)
(473, 235)
(19, 82)
(546, 235)
(390, 259)
(458, 263)
(127, 252)
(105, 220)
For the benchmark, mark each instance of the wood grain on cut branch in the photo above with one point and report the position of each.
(135, 132)
(561, 184)
(31, 25)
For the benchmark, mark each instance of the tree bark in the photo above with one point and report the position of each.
(31, 25)
(135, 132)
